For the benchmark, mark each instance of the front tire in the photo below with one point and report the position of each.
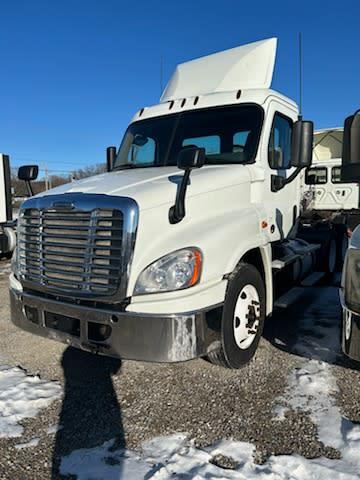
(242, 318)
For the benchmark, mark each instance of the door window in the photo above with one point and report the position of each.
(336, 175)
(316, 176)
(280, 143)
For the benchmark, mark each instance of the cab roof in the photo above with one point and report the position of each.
(256, 96)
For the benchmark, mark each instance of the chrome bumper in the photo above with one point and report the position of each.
(157, 338)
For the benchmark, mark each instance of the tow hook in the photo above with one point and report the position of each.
(93, 348)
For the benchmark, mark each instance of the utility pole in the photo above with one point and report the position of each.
(46, 178)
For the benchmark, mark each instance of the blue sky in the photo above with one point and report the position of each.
(74, 72)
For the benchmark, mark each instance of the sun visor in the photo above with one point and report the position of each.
(248, 66)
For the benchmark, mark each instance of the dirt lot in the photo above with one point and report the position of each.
(134, 402)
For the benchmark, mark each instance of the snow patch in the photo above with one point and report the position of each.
(53, 429)
(34, 442)
(166, 458)
(105, 464)
(22, 396)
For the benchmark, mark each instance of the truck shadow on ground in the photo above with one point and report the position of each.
(310, 328)
(90, 412)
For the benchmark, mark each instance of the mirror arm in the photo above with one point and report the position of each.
(177, 211)
(29, 188)
(277, 184)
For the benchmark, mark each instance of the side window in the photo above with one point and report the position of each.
(142, 150)
(280, 143)
(211, 143)
(336, 175)
(239, 141)
(316, 176)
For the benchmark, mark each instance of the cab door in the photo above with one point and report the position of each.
(282, 206)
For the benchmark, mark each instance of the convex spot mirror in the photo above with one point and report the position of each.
(302, 144)
(140, 140)
(350, 171)
(28, 172)
(190, 158)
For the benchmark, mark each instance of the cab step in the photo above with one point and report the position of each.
(280, 263)
(289, 297)
(313, 279)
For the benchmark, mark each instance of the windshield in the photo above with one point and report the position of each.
(229, 134)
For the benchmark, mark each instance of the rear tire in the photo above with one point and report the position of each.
(242, 318)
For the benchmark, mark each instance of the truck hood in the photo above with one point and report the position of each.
(155, 186)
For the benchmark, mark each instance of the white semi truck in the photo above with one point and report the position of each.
(193, 236)
(7, 230)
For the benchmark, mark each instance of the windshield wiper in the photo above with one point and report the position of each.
(129, 166)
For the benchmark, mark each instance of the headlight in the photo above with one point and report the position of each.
(175, 271)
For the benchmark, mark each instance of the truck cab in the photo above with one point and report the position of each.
(180, 250)
(323, 186)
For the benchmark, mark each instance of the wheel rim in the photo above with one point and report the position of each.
(246, 317)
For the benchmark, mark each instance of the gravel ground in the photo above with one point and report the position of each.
(134, 401)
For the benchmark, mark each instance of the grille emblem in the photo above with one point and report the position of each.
(63, 206)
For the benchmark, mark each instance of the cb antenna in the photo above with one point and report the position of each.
(300, 77)
(161, 74)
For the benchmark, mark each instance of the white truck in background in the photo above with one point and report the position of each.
(194, 235)
(7, 227)
(326, 194)
(324, 188)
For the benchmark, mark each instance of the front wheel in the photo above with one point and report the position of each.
(242, 319)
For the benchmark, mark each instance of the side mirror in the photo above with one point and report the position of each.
(302, 144)
(350, 170)
(110, 158)
(28, 172)
(190, 158)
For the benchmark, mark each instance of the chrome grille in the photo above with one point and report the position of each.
(72, 251)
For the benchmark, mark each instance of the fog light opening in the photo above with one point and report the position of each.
(98, 332)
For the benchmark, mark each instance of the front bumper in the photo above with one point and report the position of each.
(129, 335)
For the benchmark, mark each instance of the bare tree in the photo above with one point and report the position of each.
(88, 171)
